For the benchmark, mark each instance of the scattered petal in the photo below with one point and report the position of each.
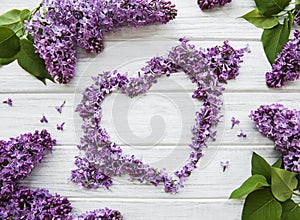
(60, 127)
(241, 134)
(224, 165)
(44, 119)
(234, 122)
(59, 108)
(8, 102)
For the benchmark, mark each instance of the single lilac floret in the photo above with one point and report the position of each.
(59, 108)
(60, 127)
(44, 119)
(8, 102)
(234, 122)
(224, 164)
(242, 135)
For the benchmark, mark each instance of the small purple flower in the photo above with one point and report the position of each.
(286, 67)
(100, 214)
(59, 108)
(234, 122)
(44, 119)
(282, 125)
(60, 127)
(8, 102)
(58, 26)
(208, 4)
(225, 165)
(241, 134)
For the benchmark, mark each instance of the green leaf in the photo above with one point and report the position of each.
(11, 20)
(5, 61)
(260, 166)
(290, 210)
(297, 2)
(261, 205)
(25, 15)
(278, 163)
(31, 62)
(274, 39)
(283, 183)
(271, 7)
(260, 21)
(254, 182)
(9, 43)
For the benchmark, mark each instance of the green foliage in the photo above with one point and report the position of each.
(283, 183)
(290, 210)
(274, 39)
(261, 205)
(254, 182)
(5, 61)
(15, 46)
(9, 43)
(260, 21)
(278, 163)
(269, 192)
(267, 15)
(271, 7)
(260, 166)
(31, 62)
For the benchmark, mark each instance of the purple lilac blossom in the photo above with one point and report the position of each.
(241, 135)
(24, 203)
(234, 122)
(8, 102)
(59, 108)
(286, 67)
(102, 154)
(58, 25)
(88, 175)
(209, 4)
(100, 214)
(225, 165)
(60, 127)
(281, 125)
(19, 156)
(44, 119)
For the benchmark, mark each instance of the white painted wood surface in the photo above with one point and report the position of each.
(205, 195)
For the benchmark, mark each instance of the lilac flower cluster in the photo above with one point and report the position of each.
(100, 214)
(105, 159)
(281, 125)
(58, 25)
(209, 4)
(25, 203)
(286, 67)
(19, 156)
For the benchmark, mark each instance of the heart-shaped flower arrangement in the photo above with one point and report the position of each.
(104, 158)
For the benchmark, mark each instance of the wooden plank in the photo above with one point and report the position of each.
(207, 181)
(166, 209)
(177, 109)
(251, 78)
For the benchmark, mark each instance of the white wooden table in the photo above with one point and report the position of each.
(206, 192)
